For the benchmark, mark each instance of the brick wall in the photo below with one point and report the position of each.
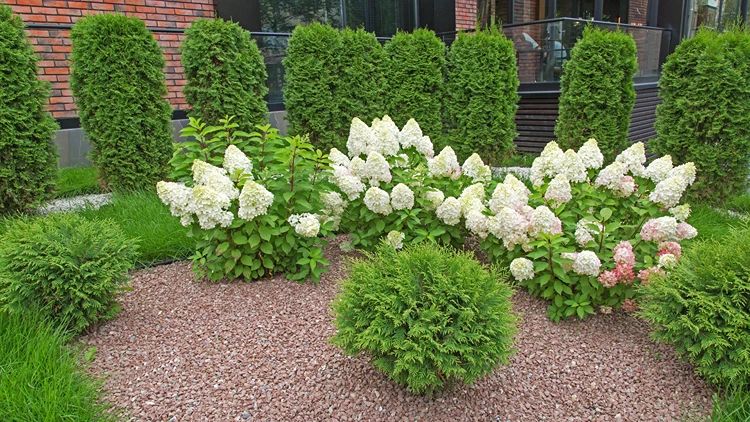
(54, 45)
(466, 14)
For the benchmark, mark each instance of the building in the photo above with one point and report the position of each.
(543, 32)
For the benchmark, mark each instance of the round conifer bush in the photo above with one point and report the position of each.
(28, 162)
(71, 268)
(702, 307)
(119, 87)
(225, 74)
(429, 316)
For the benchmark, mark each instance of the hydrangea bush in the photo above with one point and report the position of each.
(585, 237)
(251, 217)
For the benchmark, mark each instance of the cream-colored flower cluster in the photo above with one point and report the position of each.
(444, 164)
(668, 191)
(395, 239)
(306, 224)
(384, 138)
(236, 163)
(522, 269)
(475, 168)
(378, 201)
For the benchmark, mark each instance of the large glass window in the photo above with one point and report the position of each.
(284, 15)
(383, 17)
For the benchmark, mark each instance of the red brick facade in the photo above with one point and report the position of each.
(466, 14)
(54, 45)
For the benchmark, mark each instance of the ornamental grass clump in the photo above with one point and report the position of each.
(225, 73)
(702, 307)
(28, 163)
(429, 317)
(255, 203)
(584, 238)
(70, 268)
(117, 78)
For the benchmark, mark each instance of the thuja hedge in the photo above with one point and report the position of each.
(598, 94)
(705, 114)
(225, 74)
(481, 95)
(118, 82)
(415, 70)
(28, 163)
(311, 67)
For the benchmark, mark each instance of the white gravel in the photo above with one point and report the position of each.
(76, 203)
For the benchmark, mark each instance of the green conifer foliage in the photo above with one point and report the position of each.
(28, 155)
(415, 74)
(361, 89)
(225, 74)
(482, 96)
(705, 114)
(312, 67)
(118, 83)
(598, 94)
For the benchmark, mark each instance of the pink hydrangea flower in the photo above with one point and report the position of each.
(648, 273)
(624, 253)
(673, 248)
(608, 279)
(624, 273)
(629, 305)
(685, 231)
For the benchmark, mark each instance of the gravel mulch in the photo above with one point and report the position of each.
(185, 350)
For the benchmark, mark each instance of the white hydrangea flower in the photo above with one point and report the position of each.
(572, 167)
(662, 229)
(668, 192)
(685, 172)
(633, 159)
(558, 191)
(402, 198)
(377, 169)
(510, 226)
(472, 198)
(435, 198)
(511, 193)
(360, 138)
(395, 239)
(584, 234)
(338, 158)
(236, 162)
(547, 164)
(215, 177)
(411, 135)
(522, 269)
(611, 176)
(659, 169)
(543, 220)
(386, 135)
(348, 183)
(333, 202)
(425, 148)
(680, 212)
(474, 167)
(476, 222)
(444, 165)
(378, 201)
(306, 224)
(449, 211)
(210, 205)
(587, 263)
(590, 155)
(358, 167)
(667, 261)
(254, 201)
(179, 198)
(685, 231)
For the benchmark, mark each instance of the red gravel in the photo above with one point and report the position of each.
(183, 350)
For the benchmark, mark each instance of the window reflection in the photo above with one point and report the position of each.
(284, 15)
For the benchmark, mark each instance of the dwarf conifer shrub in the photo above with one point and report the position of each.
(429, 316)
(482, 95)
(703, 308)
(28, 162)
(71, 268)
(361, 91)
(598, 94)
(118, 83)
(225, 74)
(311, 67)
(705, 114)
(415, 71)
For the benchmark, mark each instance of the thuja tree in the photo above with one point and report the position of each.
(361, 89)
(28, 163)
(225, 74)
(598, 94)
(311, 67)
(705, 114)
(415, 70)
(481, 94)
(118, 83)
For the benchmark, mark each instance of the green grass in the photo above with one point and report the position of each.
(711, 223)
(142, 215)
(41, 379)
(739, 204)
(74, 181)
(733, 406)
